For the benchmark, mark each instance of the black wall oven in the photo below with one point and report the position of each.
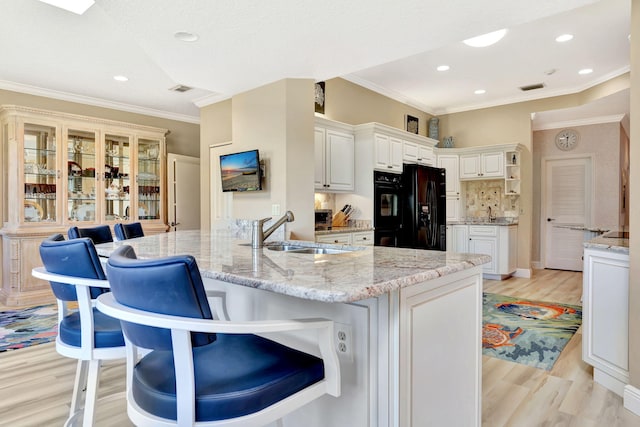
(387, 205)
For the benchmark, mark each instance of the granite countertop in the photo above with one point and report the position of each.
(582, 228)
(336, 230)
(365, 272)
(614, 244)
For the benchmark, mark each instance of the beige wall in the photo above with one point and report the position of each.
(634, 220)
(278, 120)
(349, 103)
(512, 124)
(603, 142)
(215, 128)
(184, 137)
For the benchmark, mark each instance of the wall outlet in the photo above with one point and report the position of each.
(343, 340)
(275, 209)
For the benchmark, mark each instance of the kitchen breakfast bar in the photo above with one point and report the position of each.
(410, 352)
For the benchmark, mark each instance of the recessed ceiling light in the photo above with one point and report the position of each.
(76, 6)
(443, 68)
(486, 39)
(585, 71)
(121, 78)
(185, 36)
(564, 38)
(480, 91)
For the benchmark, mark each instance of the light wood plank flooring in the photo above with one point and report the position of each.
(516, 395)
(36, 383)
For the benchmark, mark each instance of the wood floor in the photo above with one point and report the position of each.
(36, 383)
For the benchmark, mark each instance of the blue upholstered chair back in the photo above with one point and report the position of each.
(76, 257)
(128, 231)
(99, 234)
(170, 285)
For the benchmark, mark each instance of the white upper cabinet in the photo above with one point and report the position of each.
(413, 152)
(388, 153)
(482, 165)
(334, 160)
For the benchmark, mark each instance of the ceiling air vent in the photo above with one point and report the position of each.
(532, 87)
(180, 88)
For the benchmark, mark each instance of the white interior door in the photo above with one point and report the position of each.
(184, 192)
(567, 198)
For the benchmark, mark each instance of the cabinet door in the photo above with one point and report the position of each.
(452, 180)
(117, 178)
(425, 155)
(83, 170)
(41, 173)
(460, 238)
(492, 164)
(382, 159)
(395, 147)
(453, 208)
(318, 156)
(605, 342)
(487, 246)
(470, 166)
(409, 152)
(149, 172)
(449, 237)
(340, 158)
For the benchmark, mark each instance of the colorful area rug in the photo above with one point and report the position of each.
(31, 326)
(529, 332)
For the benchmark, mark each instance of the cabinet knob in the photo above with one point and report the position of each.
(389, 167)
(335, 241)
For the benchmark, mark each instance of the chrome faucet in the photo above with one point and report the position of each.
(489, 212)
(258, 235)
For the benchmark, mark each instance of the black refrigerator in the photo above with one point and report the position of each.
(423, 208)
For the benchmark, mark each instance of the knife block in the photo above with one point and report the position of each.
(339, 220)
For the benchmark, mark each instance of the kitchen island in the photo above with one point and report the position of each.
(605, 309)
(411, 349)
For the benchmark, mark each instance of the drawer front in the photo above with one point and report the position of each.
(483, 230)
(364, 238)
(342, 238)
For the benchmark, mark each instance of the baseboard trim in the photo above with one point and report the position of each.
(523, 272)
(537, 265)
(632, 399)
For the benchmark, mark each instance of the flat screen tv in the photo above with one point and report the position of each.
(241, 171)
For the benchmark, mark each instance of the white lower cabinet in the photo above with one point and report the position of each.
(430, 393)
(500, 242)
(357, 238)
(605, 317)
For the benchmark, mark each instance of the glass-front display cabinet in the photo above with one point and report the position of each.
(61, 170)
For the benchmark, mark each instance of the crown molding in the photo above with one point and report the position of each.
(578, 122)
(96, 102)
(497, 103)
(210, 99)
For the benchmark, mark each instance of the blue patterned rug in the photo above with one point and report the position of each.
(532, 333)
(30, 326)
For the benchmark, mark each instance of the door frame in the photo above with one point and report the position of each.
(171, 178)
(544, 161)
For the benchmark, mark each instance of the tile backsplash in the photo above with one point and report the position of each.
(479, 195)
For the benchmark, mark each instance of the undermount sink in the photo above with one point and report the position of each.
(306, 249)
